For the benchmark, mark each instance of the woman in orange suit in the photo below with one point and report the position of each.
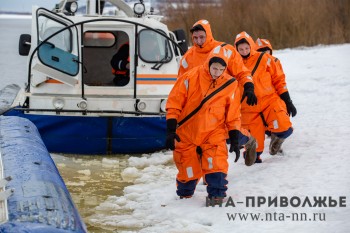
(263, 45)
(197, 130)
(274, 103)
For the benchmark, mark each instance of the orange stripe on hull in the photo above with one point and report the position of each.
(53, 81)
(154, 79)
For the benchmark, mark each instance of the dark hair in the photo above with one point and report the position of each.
(242, 41)
(217, 60)
(197, 27)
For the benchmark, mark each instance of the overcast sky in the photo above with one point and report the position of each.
(25, 5)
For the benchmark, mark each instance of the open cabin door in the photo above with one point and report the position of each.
(108, 56)
(57, 58)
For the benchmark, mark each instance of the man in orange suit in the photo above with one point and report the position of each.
(202, 109)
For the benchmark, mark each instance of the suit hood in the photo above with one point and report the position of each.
(263, 44)
(206, 47)
(245, 37)
(218, 52)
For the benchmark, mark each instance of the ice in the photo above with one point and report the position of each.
(80, 183)
(109, 163)
(85, 172)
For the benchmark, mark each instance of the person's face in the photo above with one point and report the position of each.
(199, 37)
(243, 49)
(216, 70)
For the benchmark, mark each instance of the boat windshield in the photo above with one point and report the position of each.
(153, 47)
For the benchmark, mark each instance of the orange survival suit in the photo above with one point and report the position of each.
(264, 45)
(197, 55)
(201, 146)
(270, 113)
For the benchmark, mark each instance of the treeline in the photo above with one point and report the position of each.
(286, 23)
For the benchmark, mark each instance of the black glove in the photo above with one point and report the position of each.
(249, 93)
(234, 138)
(171, 134)
(291, 110)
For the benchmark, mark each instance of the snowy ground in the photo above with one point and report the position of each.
(315, 164)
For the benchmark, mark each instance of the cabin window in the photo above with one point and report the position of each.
(47, 27)
(106, 57)
(153, 47)
(57, 52)
(99, 39)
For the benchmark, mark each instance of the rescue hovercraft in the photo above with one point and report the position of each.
(71, 95)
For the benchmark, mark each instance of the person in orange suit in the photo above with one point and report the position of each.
(264, 45)
(204, 42)
(274, 102)
(197, 130)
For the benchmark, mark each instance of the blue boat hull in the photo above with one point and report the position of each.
(40, 201)
(99, 135)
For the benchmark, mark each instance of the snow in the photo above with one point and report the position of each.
(314, 164)
(14, 16)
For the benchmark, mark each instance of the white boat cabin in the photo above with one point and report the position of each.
(70, 72)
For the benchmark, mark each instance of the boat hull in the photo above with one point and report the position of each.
(40, 201)
(99, 134)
